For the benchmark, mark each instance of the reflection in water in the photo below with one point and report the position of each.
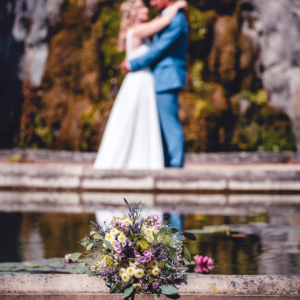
(265, 244)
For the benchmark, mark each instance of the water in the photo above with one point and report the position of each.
(243, 245)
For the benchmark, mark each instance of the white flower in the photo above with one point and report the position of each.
(130, 271)
(139, 273)
(110, 237)
(159, 238)
(121, 238)
(155, 230)
(114, 232)
(148, 231)
(125, 277)
(150, 238)
(137, 286)
(122, 271)
(155, 271)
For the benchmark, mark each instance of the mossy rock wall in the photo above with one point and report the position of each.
(69, 110)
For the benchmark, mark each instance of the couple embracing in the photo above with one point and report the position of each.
(143, 130)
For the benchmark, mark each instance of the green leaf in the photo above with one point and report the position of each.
(108, 244)
(169, 266)
(187, 254)
(126, 202)
(92, 232)
(140, 206)
(89, 247)
(90, 273)
(172, 231)
(172, 246)
(84, 242)
(172, 254)
(116, 288)
(189, 236)
(79, 268)
(75, 255)
(128, 292)
(156, 298)
(98, 237)
(168, 290)
(108, 283)
(162, 231)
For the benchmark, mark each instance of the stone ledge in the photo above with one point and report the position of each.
(276, 178)
(195, 285)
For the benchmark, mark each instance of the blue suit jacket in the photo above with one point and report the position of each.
(167, 56)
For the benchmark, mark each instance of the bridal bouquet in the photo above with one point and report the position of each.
(136, 254)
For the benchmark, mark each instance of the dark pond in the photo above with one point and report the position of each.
(250, 245)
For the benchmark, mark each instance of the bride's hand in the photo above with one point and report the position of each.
(181, 4)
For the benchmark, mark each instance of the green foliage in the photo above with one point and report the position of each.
(262, 127)
(168, 290)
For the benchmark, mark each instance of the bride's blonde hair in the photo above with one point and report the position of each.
(128, 12)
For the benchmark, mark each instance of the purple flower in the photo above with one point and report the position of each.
(157, 224)
(136, 254)
(176, 264)
(148, 253)
(140, 281)
(155, 285)
(148, 258)
(124, 244)
(145, 287)
(121, 254)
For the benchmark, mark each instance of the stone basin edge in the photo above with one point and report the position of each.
(233, 285)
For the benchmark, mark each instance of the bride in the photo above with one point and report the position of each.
(132, 137)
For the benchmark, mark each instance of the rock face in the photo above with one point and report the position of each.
(60, 73)
(275, 26)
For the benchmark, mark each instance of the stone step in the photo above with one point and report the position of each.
(195, 287)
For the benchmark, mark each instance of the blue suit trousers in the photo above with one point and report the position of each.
(172, 133)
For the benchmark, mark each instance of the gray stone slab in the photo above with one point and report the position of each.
(195, 284)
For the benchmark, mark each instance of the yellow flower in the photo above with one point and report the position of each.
(125, 277)
(132, 263)
(110, 237)
(161, 264)
(143, 227)
(143, 245)
(139, 273)
(155, 271)
(137, 286)
(131, 280)
(100, 264)
(122, 271)
(153, 264)
(115, 231)
(148, 231)
(121, 238)
(150, 238)
(130, 271)
(149, 272)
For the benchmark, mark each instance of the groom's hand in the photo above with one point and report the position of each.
(124, 67)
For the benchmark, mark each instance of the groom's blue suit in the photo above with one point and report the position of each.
(167, 58)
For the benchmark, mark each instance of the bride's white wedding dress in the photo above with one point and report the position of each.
(132, 137)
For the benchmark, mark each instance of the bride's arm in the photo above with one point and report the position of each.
(150, 28)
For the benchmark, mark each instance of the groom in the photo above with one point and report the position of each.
(167, 58)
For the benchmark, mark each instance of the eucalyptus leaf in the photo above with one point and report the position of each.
(108, 283)
(172, 231)
(189, 236)
(116, 288)
(92, 232)
(108, 244)
(89, 247)
(84, 242)
(140, 206)
(162, 231)
(168, 290)
(169, 266)
(128, 292)
(79, 268)
(172, 254)
(126, 202)
(172, 246)
(90, 272)
(75, 255)
(187, 254)
(156, 298)
(97, 236)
